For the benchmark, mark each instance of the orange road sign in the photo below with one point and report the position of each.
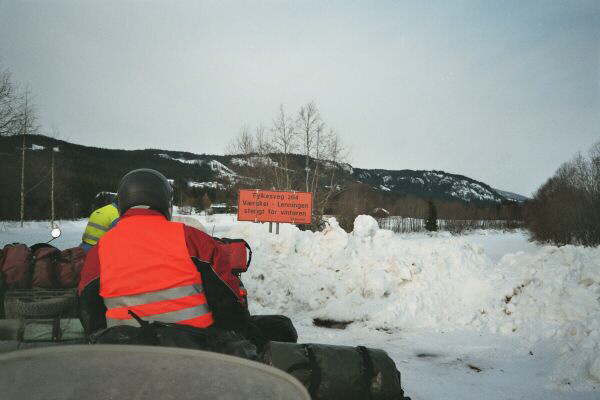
(271, 206)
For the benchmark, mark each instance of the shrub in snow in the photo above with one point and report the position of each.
(431, 221)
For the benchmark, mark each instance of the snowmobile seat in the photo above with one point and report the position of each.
(140, 372)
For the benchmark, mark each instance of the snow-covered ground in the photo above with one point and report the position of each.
(487, 315)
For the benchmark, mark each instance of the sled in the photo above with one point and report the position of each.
(40, 303)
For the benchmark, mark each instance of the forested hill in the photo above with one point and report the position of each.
(430, 184)
(82, 171)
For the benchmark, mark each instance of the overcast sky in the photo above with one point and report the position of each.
(500, 91)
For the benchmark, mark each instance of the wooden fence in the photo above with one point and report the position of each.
(405, 225)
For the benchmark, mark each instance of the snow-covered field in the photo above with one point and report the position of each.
(487, 315)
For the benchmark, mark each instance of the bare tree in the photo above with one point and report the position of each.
(323, 154)
(254, 150)
(334, 154)
(243, 143)
(261, 162)
(309, 128)
(26, 118)
(284, 143)
(9, 105)
(594, 156)
(566, 209)
(262, 146)
(26, 121)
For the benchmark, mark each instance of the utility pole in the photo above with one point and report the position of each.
(23, 180)
(54, 150)
(23, 133)
(52, 192)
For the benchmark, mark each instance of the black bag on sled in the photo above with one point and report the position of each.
(338, 372)
(278, 328)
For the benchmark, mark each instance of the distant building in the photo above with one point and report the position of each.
(380, 213)
(222, 208)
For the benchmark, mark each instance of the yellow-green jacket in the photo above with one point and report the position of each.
(99, 223)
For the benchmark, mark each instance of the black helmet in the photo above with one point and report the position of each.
(145, 187)
(103, 199)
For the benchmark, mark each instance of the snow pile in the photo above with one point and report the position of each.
(391, 282)
(373, 276)
(365, 226)
(554, 293)
(189, 221)
(549, 292)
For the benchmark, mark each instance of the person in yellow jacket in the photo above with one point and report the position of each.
(104, 217)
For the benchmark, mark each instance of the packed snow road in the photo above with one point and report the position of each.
(485, 315)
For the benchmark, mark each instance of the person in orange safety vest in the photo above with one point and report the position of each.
(143, 267)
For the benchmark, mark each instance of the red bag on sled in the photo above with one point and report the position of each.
(44, 266)
(232, 257)
(41, 266)
(15, 266)
(69, 267)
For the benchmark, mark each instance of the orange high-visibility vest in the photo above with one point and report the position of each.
(145, 267)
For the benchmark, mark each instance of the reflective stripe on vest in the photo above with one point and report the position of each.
(90, 239)
(98, 226)
(153, 297)
(145, 268)
(154, 304)
(203, 321)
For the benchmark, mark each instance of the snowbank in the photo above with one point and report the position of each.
(393, 282)
(554, 293)
(384, 281)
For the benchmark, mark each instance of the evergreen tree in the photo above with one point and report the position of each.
(206, 203)
(431, 221)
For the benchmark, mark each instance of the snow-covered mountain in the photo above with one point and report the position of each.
(430, 184)
(512, 196)
(435, 184)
